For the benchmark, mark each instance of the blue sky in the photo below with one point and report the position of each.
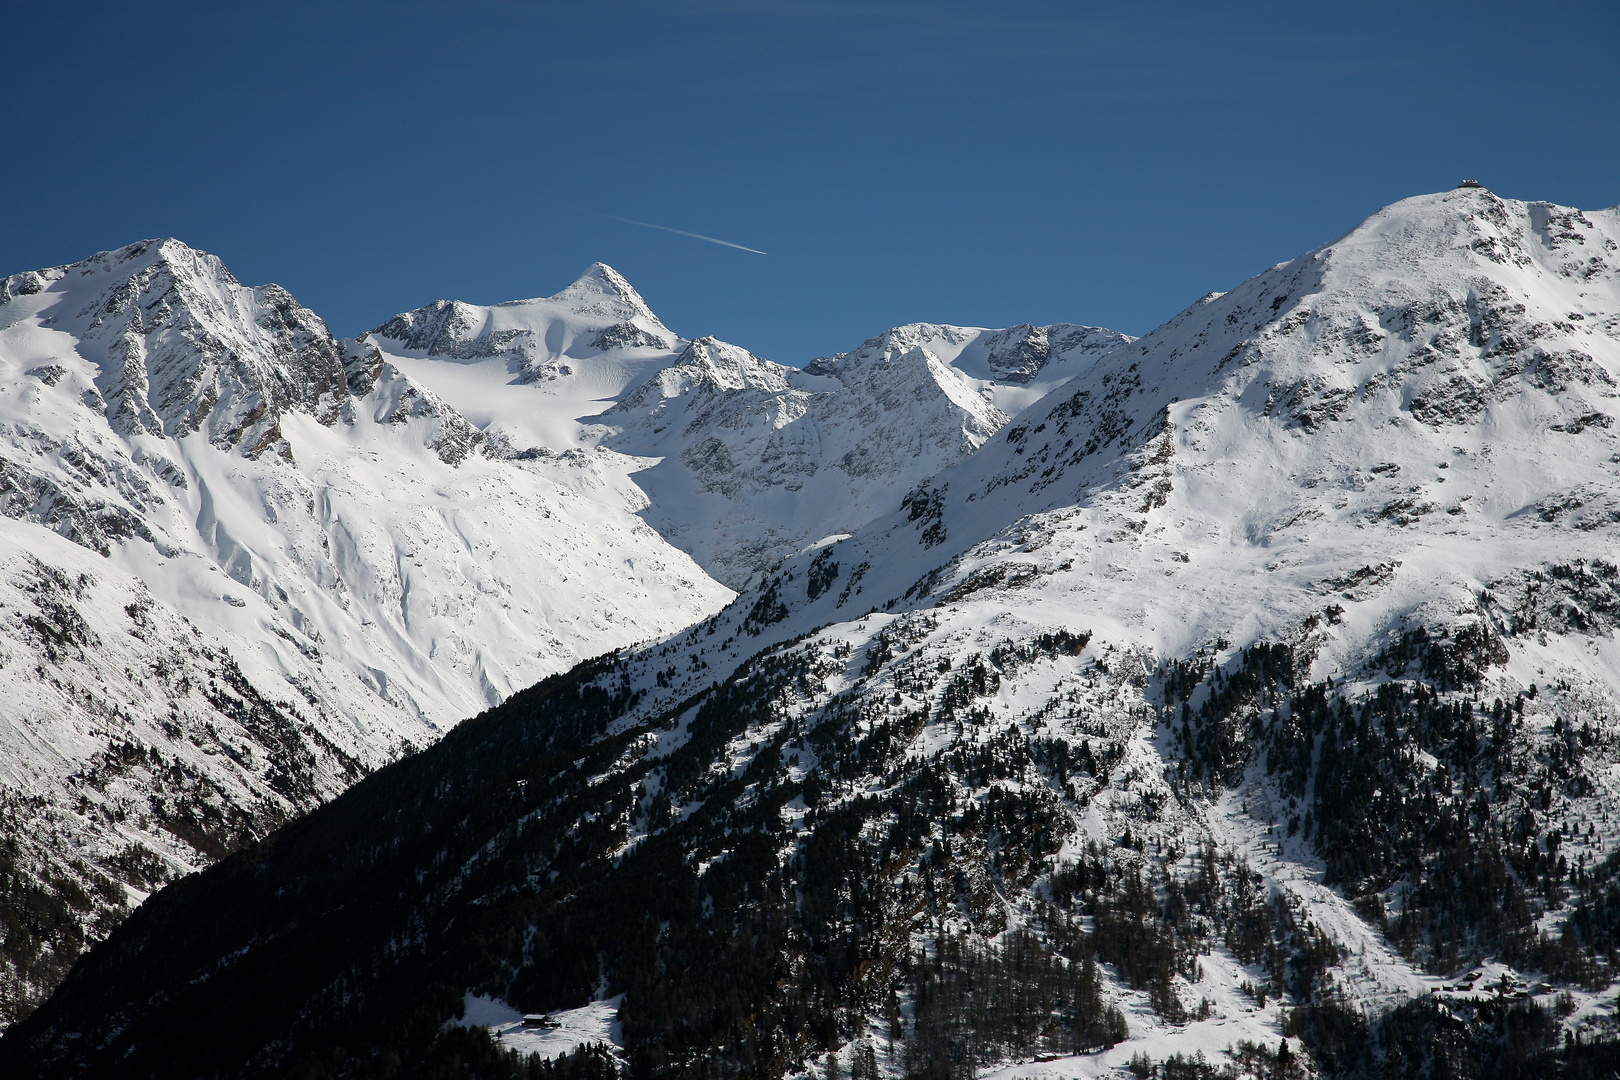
(982, 164)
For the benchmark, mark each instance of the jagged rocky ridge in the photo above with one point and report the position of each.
(743, 461)
(1078, 754)
(759, 460)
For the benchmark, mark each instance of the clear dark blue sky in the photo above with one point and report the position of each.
(983, 163)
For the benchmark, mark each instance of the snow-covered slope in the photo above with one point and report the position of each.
(743, 461)
(1432, 393)
(1014, 367)
(1395, 457)
(1258, 684)
(1383, 477)
(579, 350)
(287, 507)
(758, 460)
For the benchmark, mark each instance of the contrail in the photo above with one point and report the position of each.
(683, 232)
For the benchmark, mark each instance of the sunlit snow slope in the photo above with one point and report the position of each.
(1431, 394)
(380, 537)
(1396, 458)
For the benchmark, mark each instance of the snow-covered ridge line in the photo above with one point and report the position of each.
(1389, 456)
(743, 461)
(1257, 643)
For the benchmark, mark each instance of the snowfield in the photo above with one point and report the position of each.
(570, 1028)
(291, 507)
(742, 461)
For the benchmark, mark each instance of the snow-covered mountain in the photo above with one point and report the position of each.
(335, 550)
(743, 461)
(1254, 694)
(1390, 462)
(1431, 393)
(289, 563)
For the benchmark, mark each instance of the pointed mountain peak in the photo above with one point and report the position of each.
(602, 290)
(729, 366)
(181, 346)
(179, 257)
(184, 258)
(131, 259)
(601, 278)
